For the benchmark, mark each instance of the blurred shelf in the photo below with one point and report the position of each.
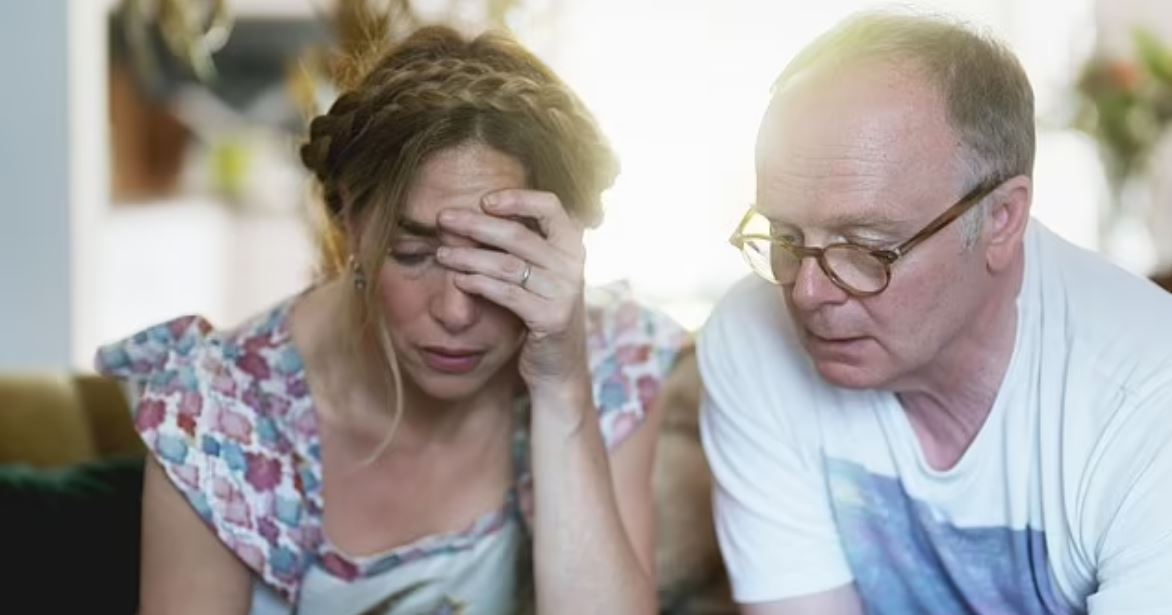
(281, 8)
(159, 260)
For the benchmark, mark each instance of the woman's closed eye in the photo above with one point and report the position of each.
(418, 254)
(413, 254)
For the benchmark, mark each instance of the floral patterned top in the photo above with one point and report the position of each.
(229, 416)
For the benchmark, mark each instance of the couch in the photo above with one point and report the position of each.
(1164, 280)
(57, 421)
(70, 478)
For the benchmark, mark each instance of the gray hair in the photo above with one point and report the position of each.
(988, 98)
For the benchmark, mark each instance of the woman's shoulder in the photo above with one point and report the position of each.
(616, 318)
(225, 411)
(632, 349)
(246, 383)
(259, 346)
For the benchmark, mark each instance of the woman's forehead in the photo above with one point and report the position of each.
(460, 177)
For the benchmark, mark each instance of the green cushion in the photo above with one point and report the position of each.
(72, 536)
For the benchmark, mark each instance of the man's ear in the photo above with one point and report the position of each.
(1006, 221)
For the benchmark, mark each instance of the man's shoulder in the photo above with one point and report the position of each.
(1111, 318)
(750, 304)
(1090, 285)
(1100, 347)
(750, 318)
(749, 338)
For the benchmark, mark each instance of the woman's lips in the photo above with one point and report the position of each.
(451, 360)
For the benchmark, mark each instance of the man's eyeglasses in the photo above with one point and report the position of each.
(858, 270)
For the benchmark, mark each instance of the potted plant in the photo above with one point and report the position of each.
(1126, 106)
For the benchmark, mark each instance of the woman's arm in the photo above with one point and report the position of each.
(593, 551)
(185, 568)
(590, 555)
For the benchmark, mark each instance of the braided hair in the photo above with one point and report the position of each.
(437, 90)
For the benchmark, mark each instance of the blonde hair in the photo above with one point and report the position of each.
(434, 91)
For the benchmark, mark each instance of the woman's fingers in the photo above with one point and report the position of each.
(518, 211)
(543, 207)
(542, 317)
(501, 233)
(528, 257)
(503, 266)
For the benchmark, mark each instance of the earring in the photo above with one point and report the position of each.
(357, 273)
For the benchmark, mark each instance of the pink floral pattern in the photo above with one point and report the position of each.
(229, 416)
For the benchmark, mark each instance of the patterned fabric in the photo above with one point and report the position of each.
(228, 414)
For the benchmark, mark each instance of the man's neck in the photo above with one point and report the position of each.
(947, 402)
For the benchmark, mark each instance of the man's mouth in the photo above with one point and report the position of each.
(833, 339)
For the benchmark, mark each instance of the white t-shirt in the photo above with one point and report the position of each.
(1062, 503)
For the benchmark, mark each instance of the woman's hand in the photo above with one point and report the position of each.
(537, 273)
(576, 520)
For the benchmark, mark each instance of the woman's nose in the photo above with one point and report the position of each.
(453, 308)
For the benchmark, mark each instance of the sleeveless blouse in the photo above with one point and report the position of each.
(229, 416)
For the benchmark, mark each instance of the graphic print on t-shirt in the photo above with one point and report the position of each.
(907, 560)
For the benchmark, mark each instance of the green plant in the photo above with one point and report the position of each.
(1126, 105)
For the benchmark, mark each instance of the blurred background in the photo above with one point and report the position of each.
(149, 146)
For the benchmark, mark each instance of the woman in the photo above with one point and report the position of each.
(427, 429)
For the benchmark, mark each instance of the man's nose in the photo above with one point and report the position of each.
(813, 288)
(453, 308)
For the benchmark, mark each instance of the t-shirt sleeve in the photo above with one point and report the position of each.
(632, 348)
(1131, 496)
(771, 506)
(225, 460)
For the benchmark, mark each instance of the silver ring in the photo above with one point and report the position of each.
(525, 275)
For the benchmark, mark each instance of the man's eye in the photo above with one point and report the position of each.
(871, 243)
(793, 239)
(786, 235)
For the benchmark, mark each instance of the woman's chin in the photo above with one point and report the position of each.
(449, 387)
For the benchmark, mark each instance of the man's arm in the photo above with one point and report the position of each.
(842, 600)
(771, 504)
(1129, 516)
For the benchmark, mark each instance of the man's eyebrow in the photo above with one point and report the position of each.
(419, 229)
(884, 225)
(877, 222)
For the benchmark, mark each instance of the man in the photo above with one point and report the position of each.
(939, 406)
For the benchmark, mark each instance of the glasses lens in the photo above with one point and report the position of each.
(856, 267)
(770, 261)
